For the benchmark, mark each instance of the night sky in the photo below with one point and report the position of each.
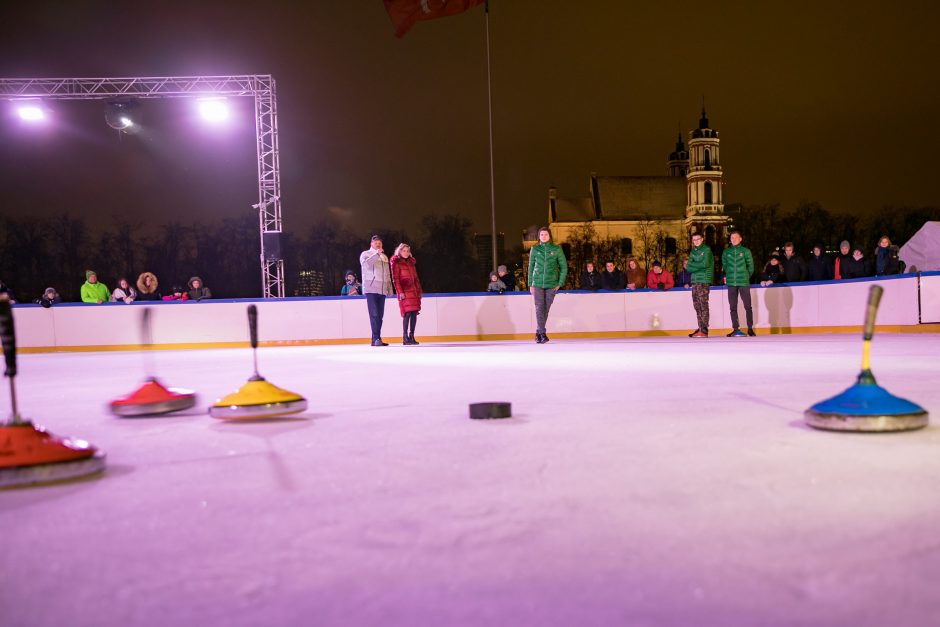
(827, 101)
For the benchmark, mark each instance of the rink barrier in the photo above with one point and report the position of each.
(812, 307)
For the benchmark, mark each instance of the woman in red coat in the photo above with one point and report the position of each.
(408, 288)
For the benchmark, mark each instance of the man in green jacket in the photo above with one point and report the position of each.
(738, 264)
(702, 267)
(92, 291)
(547, 272)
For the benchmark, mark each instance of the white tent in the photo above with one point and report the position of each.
(922, 251)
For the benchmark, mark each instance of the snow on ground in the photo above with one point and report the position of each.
(655, 481)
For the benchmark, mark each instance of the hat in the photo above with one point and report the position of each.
(656, 263)
(49, 290)
(775, 255)
(501, 269)
(89, 274)
(845, 243)
(348, 272)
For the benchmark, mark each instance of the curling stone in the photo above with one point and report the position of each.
(866, 406)
(152, 398)
(257, 399)
(29, 454)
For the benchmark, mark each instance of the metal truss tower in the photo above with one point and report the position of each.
(261, 87)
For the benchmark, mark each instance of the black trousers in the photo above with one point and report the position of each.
(745, 293)
(376, 304)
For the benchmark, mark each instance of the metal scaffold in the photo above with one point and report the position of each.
(259, 86)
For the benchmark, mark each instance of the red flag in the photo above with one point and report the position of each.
(405, 13)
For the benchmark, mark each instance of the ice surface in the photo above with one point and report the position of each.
(659, 481)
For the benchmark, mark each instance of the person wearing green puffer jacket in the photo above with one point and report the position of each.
(92, 291)
(702, 267)
(547, 272)
(738, 264)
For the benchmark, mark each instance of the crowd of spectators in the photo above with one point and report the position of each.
(94, 292)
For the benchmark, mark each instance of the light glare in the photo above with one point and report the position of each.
(31, 113)
(213, 110)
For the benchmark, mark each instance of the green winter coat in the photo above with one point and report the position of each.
(702, 265)
(93, 292)
(547, 266)
(738, 265)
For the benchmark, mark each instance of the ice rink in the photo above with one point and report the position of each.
(651, 481)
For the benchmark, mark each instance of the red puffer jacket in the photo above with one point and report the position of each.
(407, 285)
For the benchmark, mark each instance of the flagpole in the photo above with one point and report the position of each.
(489, 101)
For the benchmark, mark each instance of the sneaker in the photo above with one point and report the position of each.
(700, 334)
(736, 333)
(538, 338)
(750, 333)
(694, 333)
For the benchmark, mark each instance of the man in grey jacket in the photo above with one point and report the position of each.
(376, 285)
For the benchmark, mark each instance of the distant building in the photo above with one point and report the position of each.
(483, 245)
(310, 283)
(686, 200)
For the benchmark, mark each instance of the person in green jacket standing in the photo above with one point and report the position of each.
(702, 267)
(92, 291)
(547, 272)
(738, 264)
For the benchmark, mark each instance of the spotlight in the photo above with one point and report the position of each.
(30, 112)
(213, 109)
(120, 115)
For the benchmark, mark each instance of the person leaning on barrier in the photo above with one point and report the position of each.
(820, 265)
(659, 278)
(508, 279)
(148, 287)
(857, 267)
(197, 289)
(49, 298)
(351, 287)
(590, 278)
(793, 265)
(495, 285)
(123, 292)
(92, 291)
(773, 271)
(635, 275)
(612, 278)
(845, 255)
(684, 277)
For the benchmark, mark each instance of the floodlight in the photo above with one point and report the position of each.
(30, 111)
(213, 109)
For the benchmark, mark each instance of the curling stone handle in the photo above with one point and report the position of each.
(874, 298)
(8, 337)
(253, 325)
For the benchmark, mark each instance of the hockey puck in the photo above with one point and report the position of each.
(481, 411)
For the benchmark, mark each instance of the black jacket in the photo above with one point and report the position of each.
(774, 274)
(509, 280)
(590, 281)
(852, 269)
(819, 268)
(794, 268)
(612, 280)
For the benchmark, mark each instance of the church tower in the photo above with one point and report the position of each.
(705, 209)
(678, 162)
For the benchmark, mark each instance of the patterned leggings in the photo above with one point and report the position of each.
(700, 302)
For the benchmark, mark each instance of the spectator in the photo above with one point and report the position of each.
(793, 265)
(148, 287)
(351, 287)
(702, 267)
(508, 279)
(6, 291)
(684, 278)
(408, 287)
(895, 265)
(738, 264)
(93, 292)
(176, 293)
(495, 284)
(548, 269)
(49, 298)
(882, 256)
(612, 278)
(819, 267)
(635, 275)
(773, 271)
(856, 267)
(197, 289)
(659, 278)
(376, 285)
(845, 254)
(123, 292)
(590, 278)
